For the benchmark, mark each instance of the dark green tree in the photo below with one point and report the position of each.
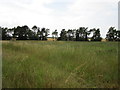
(35, 31)
(111, 34)
(4, 33)
(55, 35)
(34, 28)
(82, 34)
(39, 34)
(44, 33)
(96, 34)
(21, 33)
(9, 34)
(118, 35)
(63, 36)
(70, 35)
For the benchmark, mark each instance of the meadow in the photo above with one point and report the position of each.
(57, 64)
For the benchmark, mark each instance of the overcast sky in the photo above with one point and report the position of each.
(59, 14)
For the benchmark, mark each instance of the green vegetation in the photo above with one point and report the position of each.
(41, 34)
(45, 64)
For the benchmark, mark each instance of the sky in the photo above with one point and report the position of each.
(60, 14)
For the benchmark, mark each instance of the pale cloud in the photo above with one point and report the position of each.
(58, 14)
(93, 13)
(24, 12)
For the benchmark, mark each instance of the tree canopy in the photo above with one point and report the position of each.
(37, 33)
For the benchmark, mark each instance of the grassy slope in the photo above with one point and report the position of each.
(60, 64)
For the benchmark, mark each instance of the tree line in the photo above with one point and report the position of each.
(36, 33)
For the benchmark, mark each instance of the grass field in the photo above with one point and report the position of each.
(53, 64)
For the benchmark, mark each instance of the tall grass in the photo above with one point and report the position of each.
(47, 64)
